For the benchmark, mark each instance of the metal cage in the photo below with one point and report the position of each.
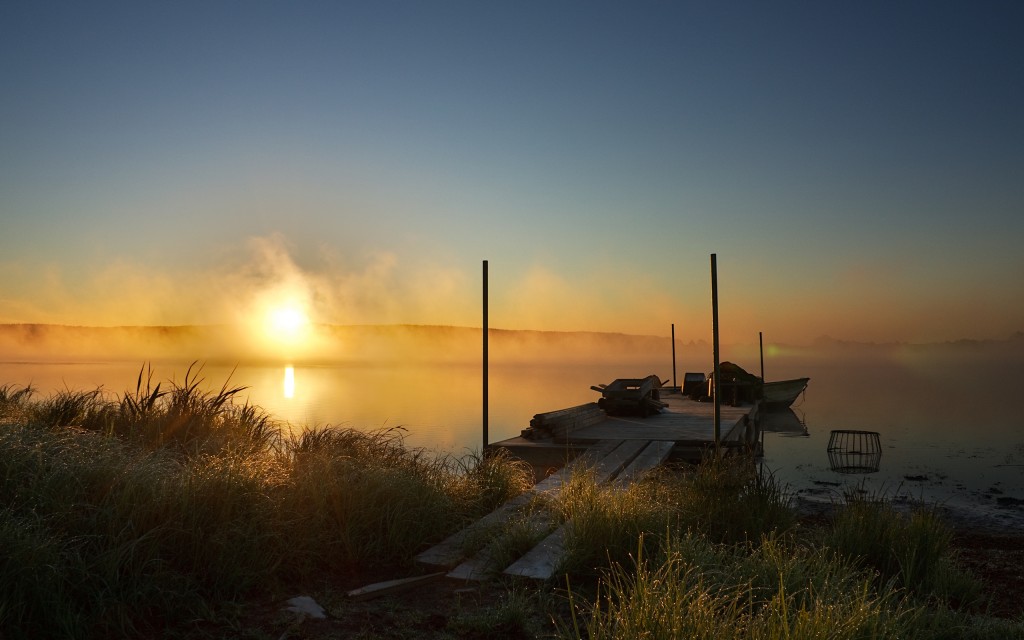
(851, 451)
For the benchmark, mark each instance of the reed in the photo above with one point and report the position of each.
(716, 552)
(13, 401)
(514, 616)
(731, 500)
(912, 550)
(699, 589)
(605, 522)
(724, 500)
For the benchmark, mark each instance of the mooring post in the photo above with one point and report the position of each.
(714, 336)
(485, 331)
(674, 384)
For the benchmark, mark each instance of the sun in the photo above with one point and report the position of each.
(287, 323)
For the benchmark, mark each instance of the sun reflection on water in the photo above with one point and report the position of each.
(289, 382)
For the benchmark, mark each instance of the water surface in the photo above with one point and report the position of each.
(948, 422)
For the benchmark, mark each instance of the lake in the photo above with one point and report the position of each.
(949, 426)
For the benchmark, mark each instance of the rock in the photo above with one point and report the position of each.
(306, 606)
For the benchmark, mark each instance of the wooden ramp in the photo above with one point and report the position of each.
(542, 561)
(618, 461)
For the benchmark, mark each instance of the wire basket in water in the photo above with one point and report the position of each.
(851, 451)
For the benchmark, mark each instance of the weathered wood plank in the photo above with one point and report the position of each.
(610, 465)
(541, 419)
(653, 454)
(562, 422)
(564, 428)
(606, 458)
(540, 562)
(387, 587)
(553, 483)
(449, 552)
(483, 562)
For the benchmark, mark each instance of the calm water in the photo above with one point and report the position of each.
(950, 426)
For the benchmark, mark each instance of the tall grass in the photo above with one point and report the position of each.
(911, 550)
(122, 515)
(697, 589)
(725, 500)
(716, 553)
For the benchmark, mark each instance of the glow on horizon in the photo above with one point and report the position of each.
(283, 300)
(286, 323)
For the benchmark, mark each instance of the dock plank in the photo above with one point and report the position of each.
(608, 459)
(610, 465)
(653, 455)
(483, 562)
(540, 562)
(449, 552)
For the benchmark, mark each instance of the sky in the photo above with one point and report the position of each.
(856, 168)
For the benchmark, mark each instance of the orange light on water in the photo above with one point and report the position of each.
(289, 382)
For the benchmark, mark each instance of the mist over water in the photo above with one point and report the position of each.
(946, 414)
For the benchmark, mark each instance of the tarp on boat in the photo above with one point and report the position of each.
(738, 386)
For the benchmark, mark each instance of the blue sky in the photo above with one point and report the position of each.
(858, 168)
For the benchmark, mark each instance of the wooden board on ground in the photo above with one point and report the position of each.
(541, 561)
(652, 455)
(610, 465)
(605, 468)
(388, 587)
(450, 551)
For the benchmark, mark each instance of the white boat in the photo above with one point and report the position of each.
(782, 393)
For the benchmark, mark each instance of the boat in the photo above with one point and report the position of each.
(781, 393)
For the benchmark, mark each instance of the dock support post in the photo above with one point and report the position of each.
(674, 384)
(485, 363)
(714, 335)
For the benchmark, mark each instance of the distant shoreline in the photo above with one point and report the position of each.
(38, 330)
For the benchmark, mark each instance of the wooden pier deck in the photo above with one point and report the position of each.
(618, 450)
(556, 437)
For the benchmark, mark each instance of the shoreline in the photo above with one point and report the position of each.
(963, 518)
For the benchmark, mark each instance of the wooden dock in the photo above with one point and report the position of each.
(556, 437)
(618, 449)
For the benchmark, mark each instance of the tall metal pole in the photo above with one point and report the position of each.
(760, 343)
(674, 355)
(714, 333)
(485, 332)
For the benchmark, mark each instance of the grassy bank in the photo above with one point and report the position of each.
(129, 514)
(720, 555)
(176, 511)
